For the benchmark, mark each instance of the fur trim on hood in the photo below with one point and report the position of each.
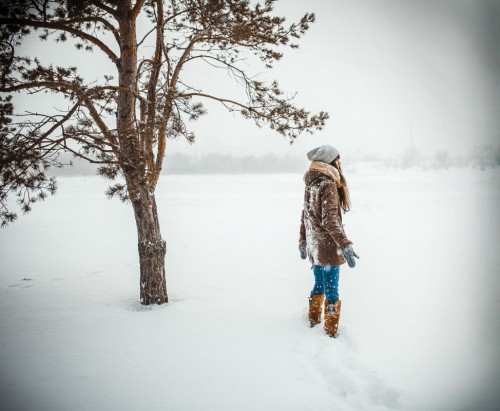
(327, 170)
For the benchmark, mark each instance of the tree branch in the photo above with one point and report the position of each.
(81, 94)
(99, 19)
(183, 58)
(153, 81)
(107, 9)
(60, 25)
(137, 8)
(220, 100)
(59, 123)
(98, 121)
(37, 84)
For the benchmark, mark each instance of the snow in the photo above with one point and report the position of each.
(419, 325)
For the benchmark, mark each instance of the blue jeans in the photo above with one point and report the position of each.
(326, 281)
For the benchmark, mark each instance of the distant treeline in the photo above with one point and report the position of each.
(228, 164)
(480, 157)
(178, 163)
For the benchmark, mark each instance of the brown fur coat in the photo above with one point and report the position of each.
(321, 227)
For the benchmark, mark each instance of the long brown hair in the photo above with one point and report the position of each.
(343, 190)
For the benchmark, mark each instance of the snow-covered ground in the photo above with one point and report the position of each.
(419, 327)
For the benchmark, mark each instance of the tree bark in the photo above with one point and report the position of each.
(152, 249)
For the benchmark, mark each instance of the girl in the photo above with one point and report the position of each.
(322, 236)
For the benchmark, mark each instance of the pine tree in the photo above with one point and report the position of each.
(148, 103)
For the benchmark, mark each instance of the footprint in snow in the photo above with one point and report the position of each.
(334, 364)
(21, 284)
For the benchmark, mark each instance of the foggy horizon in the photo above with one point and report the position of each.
(389, 73)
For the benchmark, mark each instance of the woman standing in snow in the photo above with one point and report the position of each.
(322, 236)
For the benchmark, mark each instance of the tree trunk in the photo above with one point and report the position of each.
(152, 249)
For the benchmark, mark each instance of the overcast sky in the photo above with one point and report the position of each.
(386, 71)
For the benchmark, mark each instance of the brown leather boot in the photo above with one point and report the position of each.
(332, 316)
(315, 308)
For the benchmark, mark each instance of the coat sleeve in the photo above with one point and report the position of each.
(330, 215)
(302, 239)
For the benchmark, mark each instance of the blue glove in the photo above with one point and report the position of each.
(303, 252)
(349, 255)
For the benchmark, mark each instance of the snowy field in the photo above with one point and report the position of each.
(419, 327)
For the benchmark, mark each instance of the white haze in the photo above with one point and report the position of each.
(389, 73)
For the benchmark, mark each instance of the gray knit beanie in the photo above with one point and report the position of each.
(326, 154)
